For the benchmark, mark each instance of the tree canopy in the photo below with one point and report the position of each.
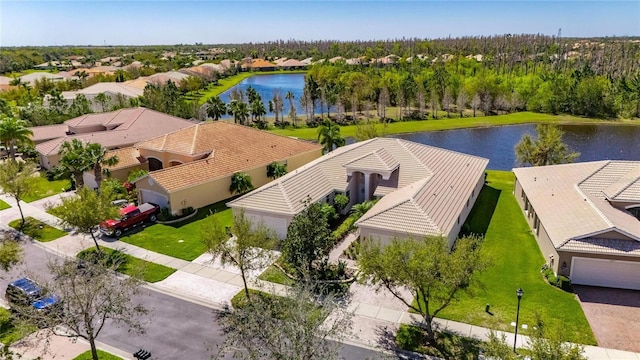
(546, 149)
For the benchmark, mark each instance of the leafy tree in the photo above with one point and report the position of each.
(80, 106)
(547, 149)
(73, 160)
(297, 326)
(97, 157)
(86, 210)
(10, 253)
(16, 180)
(340, 201)
(292, 108)
(308, 239)
(14, 132)
(248, 249)
(216, 108)
(434, 274)
(103, 100)
(240, 183)
(136, 174)
(369, 130)
(93, 297)
(329, 136)
(276, 170)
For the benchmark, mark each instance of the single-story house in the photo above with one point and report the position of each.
(586, 219)
(260, 65)
(193, 167)
(111, 89)
(423, 190)
(112, 130)
(292, 64)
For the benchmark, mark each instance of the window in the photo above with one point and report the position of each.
(522, 194)
(467, 202)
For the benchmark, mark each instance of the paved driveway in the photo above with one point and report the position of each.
(614, 316)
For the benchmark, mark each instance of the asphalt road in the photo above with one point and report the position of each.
(175, 328)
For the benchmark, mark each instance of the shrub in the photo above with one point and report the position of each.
(340, 201)
(409, 337)
(187, 211)
(344, 228)
(352, 251)
(164, 215)
(564, 283)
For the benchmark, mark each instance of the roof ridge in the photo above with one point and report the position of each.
(193, 140)
(631, 182)
(594, 206)
(404, 145)
(607, 162)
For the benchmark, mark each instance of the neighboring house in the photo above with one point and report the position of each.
(193, 167)
(260, 65)
(111, 89)
(423, 190)
(586, 219)
(293, 64)
(32, 77)
(112, 130)
(156, 79)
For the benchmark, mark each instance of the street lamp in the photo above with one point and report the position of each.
(519, 293)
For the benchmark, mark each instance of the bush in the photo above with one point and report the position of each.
(187, 211)
(409, 337)
(164, 215)
(340, 201)
(325, 271)
(353, 250)
(344, 228)
(558, 281)
(564, 283)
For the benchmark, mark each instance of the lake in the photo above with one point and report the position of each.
(594, 142)
(265, 85)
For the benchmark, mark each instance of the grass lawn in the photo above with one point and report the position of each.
(183, 239)
(103, 355)
(515, 263)
(4, 205)
(456, 123)
(275, 275)
(44, 188)
(150, 272)
(11, 330)
(37, 229)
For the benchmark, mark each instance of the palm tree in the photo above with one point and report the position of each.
(240, 183)
(329, 135)
(257, 110)
(292, 108)
(276, 170)
(73, 161)
(14, 132)
(216, 108)
(97, 157)
(358, 210)
(242, 112)
(547, 149)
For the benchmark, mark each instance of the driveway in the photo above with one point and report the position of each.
(614, 316)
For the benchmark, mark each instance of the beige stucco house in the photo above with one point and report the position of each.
(193, 167)
(585, 217)
(423, 190)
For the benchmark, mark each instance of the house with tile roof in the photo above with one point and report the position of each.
(422, 190)
(192, 167)
(112, 130)
(259, 65)
(586, 219)
(113, 90)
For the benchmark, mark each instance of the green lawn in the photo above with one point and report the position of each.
(515, 263)
(182, 240)
(44, 188)
(457, 123)
(37, 229)
(4, 205)
(12, 330)
(103, 355)
(149, 272)
(275, 275)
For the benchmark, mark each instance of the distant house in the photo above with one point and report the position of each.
(116, 129)
(32, 77)
(336, 59)
(97, 70)
(192, 167)
(112, 89)
(293, 64)
(586, 219)
(259, 65)
(423, 190)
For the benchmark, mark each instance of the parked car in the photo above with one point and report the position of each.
(130, 217)
(26, 292)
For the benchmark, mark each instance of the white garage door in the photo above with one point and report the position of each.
(154, 197)
(279, 225)
(607, 273)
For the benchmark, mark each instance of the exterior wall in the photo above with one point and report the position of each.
(296, 161)
(145, 185)
(49, 161)
(279, 223)
(167, 157)
(384, 236)
(464, 213)
(86, 129)
(567, 257)
(545, 244)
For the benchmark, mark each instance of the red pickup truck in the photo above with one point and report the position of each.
(130, 217)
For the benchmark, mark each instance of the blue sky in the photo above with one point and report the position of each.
(217, 22)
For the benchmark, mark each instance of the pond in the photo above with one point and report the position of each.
(594, 142)
(267, 85)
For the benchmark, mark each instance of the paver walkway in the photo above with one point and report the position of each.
(372, 323)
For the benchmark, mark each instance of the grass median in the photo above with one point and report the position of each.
(37, 229)
(148, 271)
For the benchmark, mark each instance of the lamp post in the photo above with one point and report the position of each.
(519, 293)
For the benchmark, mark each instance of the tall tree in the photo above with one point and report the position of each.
(73, 161)
(240, 183)
(292, 108)
(86, 210)
(17, 180)
(216, 108)
(434, 274)
(98, 157)
(329, 135)
(248, 249)
(14, 132)
(546, 149)
(103, 100)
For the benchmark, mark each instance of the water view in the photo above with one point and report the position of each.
(594, 142)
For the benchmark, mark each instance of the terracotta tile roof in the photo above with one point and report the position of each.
(431, 187)
(232, 148)
(127, 157)
(48, 132)
(569, 199)
(292, 63)
(132, 126)
(261, 63)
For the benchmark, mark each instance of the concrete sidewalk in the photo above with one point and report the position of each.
(204, 279)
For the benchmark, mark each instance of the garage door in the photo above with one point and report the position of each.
(154, 197)
(607, 273)
(279, 225)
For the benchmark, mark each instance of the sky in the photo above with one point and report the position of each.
(36, 23)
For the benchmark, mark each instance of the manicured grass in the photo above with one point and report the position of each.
(275, 275)
(37, 229)
(457, 123)
(44, 188)
(103, 355)
(12, 330)
(182, 240)
(4, 205)
(515, 263)
(150, 272)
